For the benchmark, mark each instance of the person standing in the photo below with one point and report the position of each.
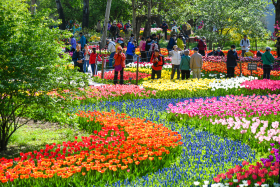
(185, 65)
(147, 48)
(82, 41)
(202, 46)
(196, 64)
(113, 30)
(231, 61)
(98, 26)
(154, 25)
(176, 60)
(73, 43)
(78, 58)
(153, 47)
(268, 61)
(119, 25)
(130, 51)
(164, 29)
(131, 39)
(171, 42)
(93, 61)
(119, 65)
(180, 42)
(245, 45)
(111, 49)
(277, 45)
(157, 61)
(142, 48)
(86, 52)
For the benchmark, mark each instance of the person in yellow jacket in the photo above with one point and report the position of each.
(180, 43)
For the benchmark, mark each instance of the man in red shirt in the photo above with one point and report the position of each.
(157, 61)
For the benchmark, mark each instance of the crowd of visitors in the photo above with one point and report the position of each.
(149, 47)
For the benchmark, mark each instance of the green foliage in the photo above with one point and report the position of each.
(30, 65)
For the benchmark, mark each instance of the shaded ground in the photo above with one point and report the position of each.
(35, 135)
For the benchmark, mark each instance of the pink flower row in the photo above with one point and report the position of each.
(105, 91)
(262, 84)
(259, 128)
(235, 106)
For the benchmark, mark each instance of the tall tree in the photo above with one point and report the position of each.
(85, 22)
(106, 21)
(61, 15)
(277, 10)
(33, 6)
(30, 66)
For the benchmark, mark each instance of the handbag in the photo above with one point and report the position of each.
(118, 67)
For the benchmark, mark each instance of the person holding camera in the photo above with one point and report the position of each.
(119, 65)
(157, 61)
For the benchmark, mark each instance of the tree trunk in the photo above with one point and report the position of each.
(277, 12)
(61, 15)
(134, 18)
(33, 8)
(107, 14)
(85, 14)
(149, 18)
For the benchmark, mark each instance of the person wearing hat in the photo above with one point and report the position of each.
(142, 48)
(219, 52)
(157, 61)
(202, 46)
(232, 57)
(130, 51)
(176, 59)
(196, 64)
(245, 44)
(164, 27)
(171, 42)
(268, 61)
(185, 65)
(98, 26)
(147, 48)
(119, 65)
(119, 42)
(93, 61)
(111, 49)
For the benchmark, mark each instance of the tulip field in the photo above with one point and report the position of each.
(211, 132)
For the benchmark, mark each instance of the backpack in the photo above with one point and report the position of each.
(246, 40)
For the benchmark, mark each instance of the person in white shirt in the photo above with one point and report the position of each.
(112, 50)
(245, 45)
(176, 60)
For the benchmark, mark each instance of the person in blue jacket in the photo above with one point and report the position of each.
(231, 61)
(130, 51)
(82, 40)
(171, 42)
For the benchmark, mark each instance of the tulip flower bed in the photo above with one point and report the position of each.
(259, 174)
(262, 84)
(255, 117)
(124, 147)
(128, 77)
(105, 92)
(203, 155)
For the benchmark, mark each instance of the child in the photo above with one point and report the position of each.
(93, 62)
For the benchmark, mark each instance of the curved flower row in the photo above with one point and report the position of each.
(122, 143)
